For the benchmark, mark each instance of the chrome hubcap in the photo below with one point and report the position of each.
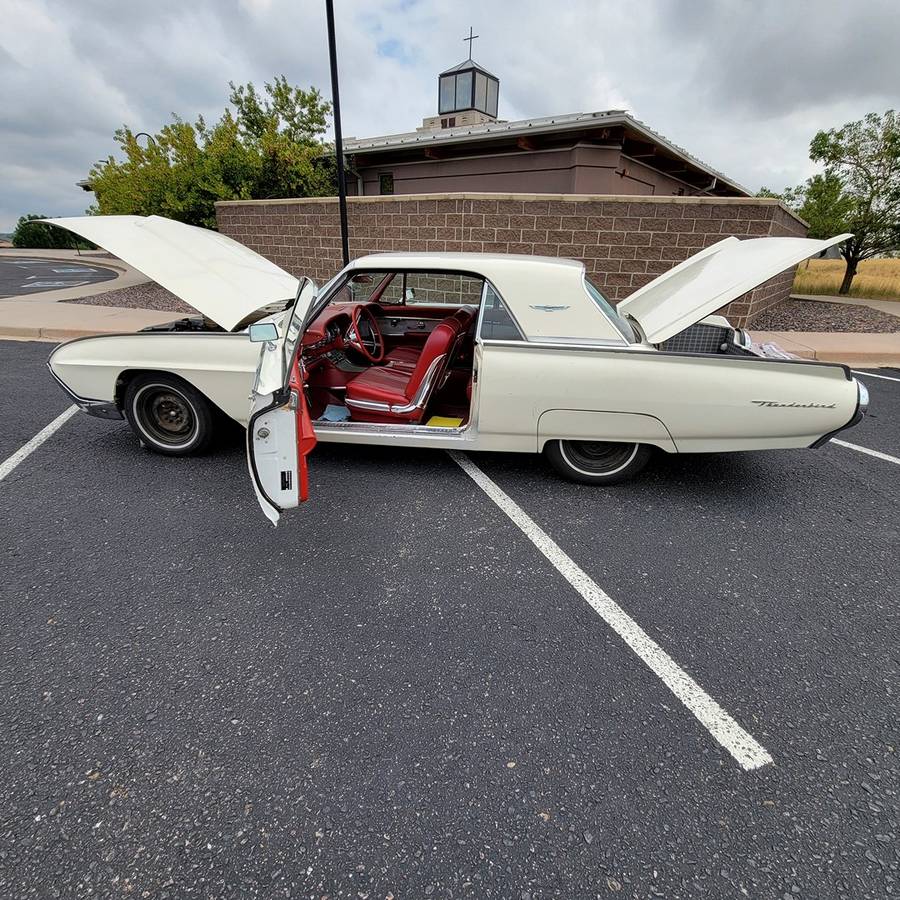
(598, 457)
(165, 415)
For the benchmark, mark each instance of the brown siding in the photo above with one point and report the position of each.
(624, 242)
(578, 169)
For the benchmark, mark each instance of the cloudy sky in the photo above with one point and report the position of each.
(742, 84)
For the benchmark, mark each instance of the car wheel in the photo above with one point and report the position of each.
(168, 415)
(596, 462)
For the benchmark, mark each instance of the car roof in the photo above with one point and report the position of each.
(545, 294)
(462, 262)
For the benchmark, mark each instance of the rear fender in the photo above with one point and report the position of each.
(597, 425)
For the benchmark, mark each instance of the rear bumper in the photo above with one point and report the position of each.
(102, 409)
(862, 406)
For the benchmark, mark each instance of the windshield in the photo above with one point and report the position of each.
(620, 322)
(305, 298)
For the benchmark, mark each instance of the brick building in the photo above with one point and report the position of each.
(623, 241)
(599, 187)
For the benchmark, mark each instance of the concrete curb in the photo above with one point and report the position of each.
(849, 348)
(54, 321)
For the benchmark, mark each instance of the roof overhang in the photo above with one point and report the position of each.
(551, 126)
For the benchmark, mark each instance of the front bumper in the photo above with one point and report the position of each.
(102, 409)
(862, 406)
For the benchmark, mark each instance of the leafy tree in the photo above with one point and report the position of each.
(859, 191)
(33, 234)
(270, 145)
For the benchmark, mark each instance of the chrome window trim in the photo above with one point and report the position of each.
(616, 325)
(481, 308)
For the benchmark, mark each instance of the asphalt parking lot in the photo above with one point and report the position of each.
(395, 694)
(22, 275)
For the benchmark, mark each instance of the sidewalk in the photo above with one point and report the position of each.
(850, 348)
(40, 319)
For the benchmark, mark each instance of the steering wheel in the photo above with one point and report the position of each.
(364, 335)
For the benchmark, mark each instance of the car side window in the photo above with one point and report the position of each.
(435, 289)
(496, 321)
(386, 287)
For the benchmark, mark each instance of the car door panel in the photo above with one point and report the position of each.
(280, 434)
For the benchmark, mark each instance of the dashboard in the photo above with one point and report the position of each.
(325, 334)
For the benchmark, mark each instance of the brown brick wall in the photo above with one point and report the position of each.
(624, 242)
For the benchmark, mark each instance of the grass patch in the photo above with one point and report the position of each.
(876, 279)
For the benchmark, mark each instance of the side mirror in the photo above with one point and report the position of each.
(262, 331)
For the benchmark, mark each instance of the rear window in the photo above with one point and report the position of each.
(609, 311)
(496, 322)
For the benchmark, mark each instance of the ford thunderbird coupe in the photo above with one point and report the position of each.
(448, 350)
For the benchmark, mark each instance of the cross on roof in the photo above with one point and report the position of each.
(470, 38)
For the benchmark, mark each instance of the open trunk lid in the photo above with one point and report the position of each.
(712, 278)
(220, 278)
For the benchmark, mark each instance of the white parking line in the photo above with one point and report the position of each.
(741, 745)
(872, 375)
(25, 451)
(876, 453)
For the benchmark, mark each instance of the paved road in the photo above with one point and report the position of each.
(30, 275)
(394, 693)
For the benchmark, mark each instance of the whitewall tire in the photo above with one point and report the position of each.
(168, 415)
(597, 462)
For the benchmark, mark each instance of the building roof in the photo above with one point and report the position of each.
(465, 65)
(492, 131)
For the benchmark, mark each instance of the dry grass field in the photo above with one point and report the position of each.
(877, 279)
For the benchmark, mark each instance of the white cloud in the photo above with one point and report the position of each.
(742, 86)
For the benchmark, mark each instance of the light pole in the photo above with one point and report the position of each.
(338, 141)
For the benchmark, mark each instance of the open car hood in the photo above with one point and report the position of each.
(711, 278)
(220, 278)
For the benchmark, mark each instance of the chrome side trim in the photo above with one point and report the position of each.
(389, 428)
(653, 353)
(102, 409)
(564, 344)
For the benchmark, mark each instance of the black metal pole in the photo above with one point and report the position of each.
(338, 141)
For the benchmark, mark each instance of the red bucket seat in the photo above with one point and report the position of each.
(407, 357)
(400, 394)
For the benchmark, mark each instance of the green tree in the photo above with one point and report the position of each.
(33, 234)
(859, 191)
(270, 145)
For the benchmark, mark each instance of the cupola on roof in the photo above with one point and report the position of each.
(467, 87)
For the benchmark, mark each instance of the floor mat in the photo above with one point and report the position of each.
(444, 422)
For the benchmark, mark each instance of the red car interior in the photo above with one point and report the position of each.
(412, 382)
(398, 394)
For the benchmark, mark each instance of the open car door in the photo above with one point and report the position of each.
(280, 434)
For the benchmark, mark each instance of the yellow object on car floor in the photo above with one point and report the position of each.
(444, 422)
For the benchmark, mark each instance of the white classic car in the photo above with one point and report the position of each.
(449, 350)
